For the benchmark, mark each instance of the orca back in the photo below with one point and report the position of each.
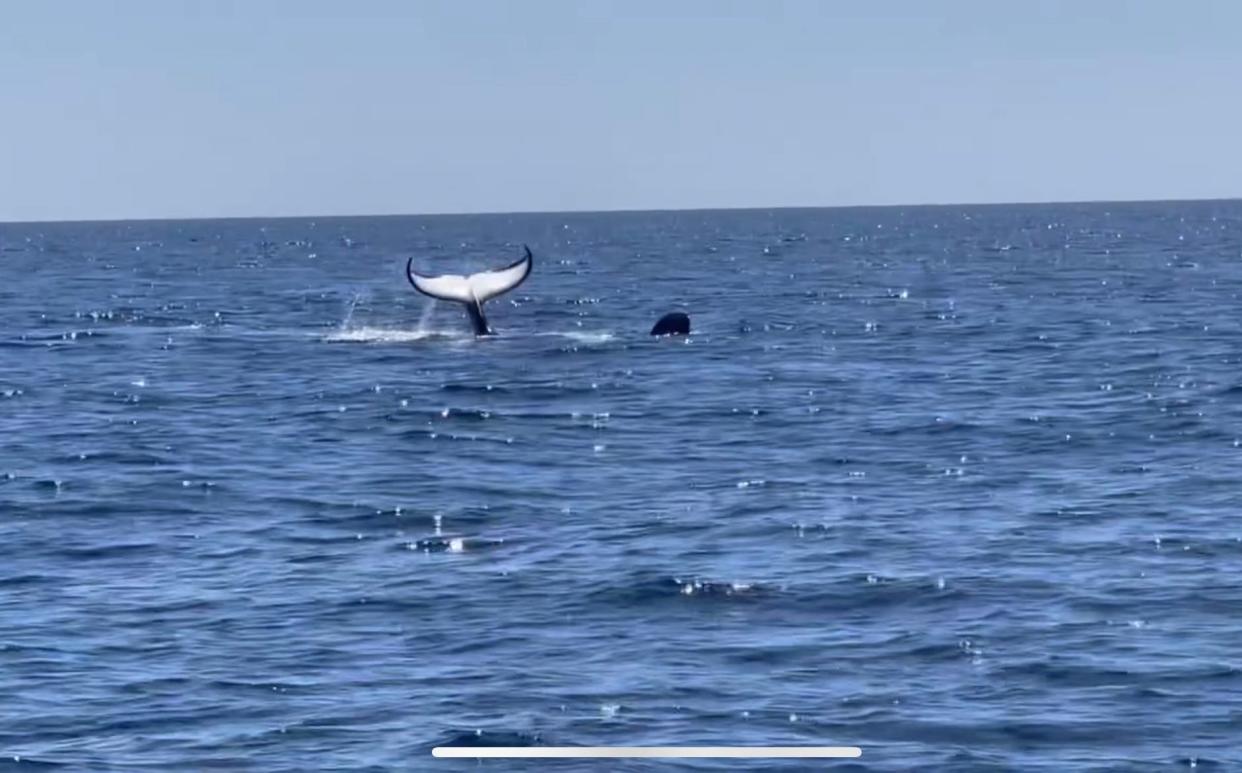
(672, 324)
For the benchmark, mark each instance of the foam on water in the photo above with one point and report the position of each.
(376, 334)
(384, 335)
(584, 337)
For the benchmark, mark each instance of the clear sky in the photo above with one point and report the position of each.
(171, 108)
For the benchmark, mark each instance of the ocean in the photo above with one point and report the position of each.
(957, 485)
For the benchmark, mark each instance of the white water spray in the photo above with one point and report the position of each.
(349, 312)
(426, 317)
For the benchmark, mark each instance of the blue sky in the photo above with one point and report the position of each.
(170, 108)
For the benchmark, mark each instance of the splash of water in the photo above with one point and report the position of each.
(367, 334)
(581, 336)
(348, 331)
(426, 317)
(363, 333)
(349, 312)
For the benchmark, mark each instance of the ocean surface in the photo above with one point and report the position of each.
(958, 485)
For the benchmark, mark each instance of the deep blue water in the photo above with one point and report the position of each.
(959, 485)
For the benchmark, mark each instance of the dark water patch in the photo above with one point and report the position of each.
(20, 580)
(19, 763)
(1062, 670)
(481, 737)
(475, 388)
(654, 589)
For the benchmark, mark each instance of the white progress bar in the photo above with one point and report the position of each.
(804, 752)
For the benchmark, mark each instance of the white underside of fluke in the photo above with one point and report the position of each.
(475, 288)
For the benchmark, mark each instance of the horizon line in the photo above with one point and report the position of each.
(620, 211)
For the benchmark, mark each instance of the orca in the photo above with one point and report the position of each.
(474, 290)
(674, 323)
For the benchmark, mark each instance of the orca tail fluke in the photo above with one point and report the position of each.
(473, 290)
